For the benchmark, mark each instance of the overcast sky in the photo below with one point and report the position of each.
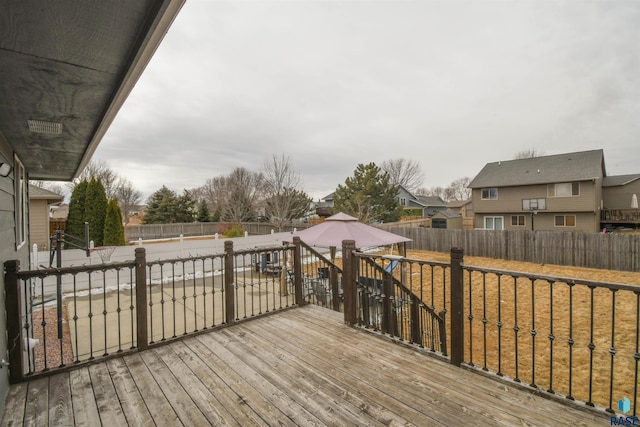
(332, 84)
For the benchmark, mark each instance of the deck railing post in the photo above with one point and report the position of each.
(141, 299)
(297, 270)
(457, 307)
(335, 290)
(229, 285)
(387, 305)
(349, 279)
(14, 326)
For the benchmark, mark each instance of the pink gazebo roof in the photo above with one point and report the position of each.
(341, 227)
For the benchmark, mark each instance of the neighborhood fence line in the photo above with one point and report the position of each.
(609, 251)
(169, 231)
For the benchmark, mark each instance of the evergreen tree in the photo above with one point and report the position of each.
(76, 217)
(113, 227)
(368, 195)
(203, 212)
(95, 209)
(161, 207)
(185, 208)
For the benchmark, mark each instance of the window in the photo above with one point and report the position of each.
(493, 223)
(21, 203)
(565, 220)
(402, 201)
(534, 204)
(563, 189)
(517, 220)
(489, 194)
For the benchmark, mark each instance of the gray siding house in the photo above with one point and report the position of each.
(560, 192)
(67, 68)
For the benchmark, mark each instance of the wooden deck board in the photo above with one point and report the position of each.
(298, 367)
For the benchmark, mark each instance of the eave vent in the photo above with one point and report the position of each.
(49, 128)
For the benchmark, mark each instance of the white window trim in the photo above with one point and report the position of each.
(484, 220)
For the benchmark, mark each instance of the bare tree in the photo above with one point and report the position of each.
(528, 154)
(99, 169)
(242, 189)
(458, 190)
(406, 173)
(284, 197)
(436, 191)
(128, 196)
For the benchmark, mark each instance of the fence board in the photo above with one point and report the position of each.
(593, 250)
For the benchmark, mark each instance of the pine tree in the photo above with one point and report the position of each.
(95, 209)
(203, 212)
(161, 207)
(76, 217)
(368, 195)
(113, 227)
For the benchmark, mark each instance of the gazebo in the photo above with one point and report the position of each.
(339, 227)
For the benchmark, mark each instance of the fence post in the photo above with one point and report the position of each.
(14, 328)
(141, 299)
(349, 279)
(297, 271)
(229, 291)
(457, 307)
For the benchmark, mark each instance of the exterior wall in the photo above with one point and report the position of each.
(619, 197)
(544, 221)
(509, 202)
(8, 251)
(39, 223)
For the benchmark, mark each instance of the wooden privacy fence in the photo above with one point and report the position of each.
(593, 250)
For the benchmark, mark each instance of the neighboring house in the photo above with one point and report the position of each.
(619, 206)
(563, 192)
(431, 205)
(323, 208)
(462, 207)
(40, 203)
(67, 68)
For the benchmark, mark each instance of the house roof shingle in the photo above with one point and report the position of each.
(614, 181)
(579, 166)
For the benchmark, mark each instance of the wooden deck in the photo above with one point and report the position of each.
(298, 367)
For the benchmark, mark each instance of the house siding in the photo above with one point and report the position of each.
(7, 251)
(619, 197)
(39, 223)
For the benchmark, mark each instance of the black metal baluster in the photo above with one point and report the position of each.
(636, 355)
(75, 317)
(173, 296)
(552, 337)
(533, 334)
(485, 321)
(195, 297)
(244, 294)
(470, 317)
(612, 349)
(104, 309)
(150, 302)
(164, 335)
(184, 300)
(204, 294)
(131, 308)
(118, 310)
(516, 328)
(570, 341)
(43, 324)
(90, 315)
(591, 347)
(499, 325)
